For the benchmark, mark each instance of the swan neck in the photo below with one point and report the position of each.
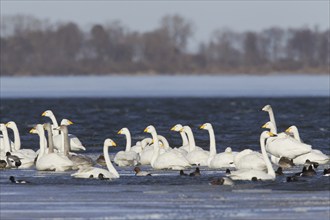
(156, 148)
(55, 124)
(270, 169)
(272, 119)
(17, 139)
(108, 161)
(6, 141)
(184, 138)
(191, 140)
(128, 141)
(66, 143)
(296, 135)
(42, 145)
(50, 141)
(213, 150)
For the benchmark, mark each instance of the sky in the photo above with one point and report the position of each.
(207, 16)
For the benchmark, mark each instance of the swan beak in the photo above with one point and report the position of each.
(119, 132)
(146, 130)
(70, 122)
(202, 126)
(286, 131)
(7, 124)
(113, 144)
(264, 126)
(152, 141)
(272, 134)
(43, 114)
(33, 130)
(181, 130)
(173, 128)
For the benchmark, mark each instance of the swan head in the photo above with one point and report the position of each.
(109, 143)
(267, 134)
(205, 126)
(268, 125)
(177, 127)
(11, 125)
(123, 131)
(66, 122)
(37, 129)
(291, 129)
(267, 108)
(62, 128)
(47, 113)
(150, 129)
(2, 127)
(228, 150)
(186, 128)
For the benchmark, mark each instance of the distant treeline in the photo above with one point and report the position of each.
(31, 46)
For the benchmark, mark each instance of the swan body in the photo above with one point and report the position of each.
(248, 174)
(314, 155)
(127, 157)
(50, 161)
(167, 160)
(248, 159)
(221, 160)
(195, 156)
(94, 172)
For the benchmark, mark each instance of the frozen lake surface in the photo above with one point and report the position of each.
(166, 86)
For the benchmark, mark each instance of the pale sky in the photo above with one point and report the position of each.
(206, 15)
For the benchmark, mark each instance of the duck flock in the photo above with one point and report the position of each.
(58, 147)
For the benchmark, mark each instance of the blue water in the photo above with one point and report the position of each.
(166, 195)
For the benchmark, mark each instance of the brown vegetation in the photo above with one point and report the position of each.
(30, 46)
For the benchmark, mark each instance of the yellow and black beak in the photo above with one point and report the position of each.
(43, 114)
(146, 130)
(120, 131)
(173, 128)
(202, 126)
(70, 122)
(271, 134)
(264, 126)
(288, 130)
(7, 124)
(114, 144)
(33, 130)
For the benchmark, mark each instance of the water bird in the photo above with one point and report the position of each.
(308, 172)
(182, 173)
(279, 171)
(292, 178)
(167, 160)
(221, 160)
(138, 172)
(12, 161)
(197, 172)
(127, 157)
(222, 181)
(93, 172)
(3, 164)
(310, 163)
(228, 171)
(248, 174)
(185, 143)
(12, 179)
(285, 162)
(326, 172)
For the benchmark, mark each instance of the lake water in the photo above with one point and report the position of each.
(236, 118)
(166, 195)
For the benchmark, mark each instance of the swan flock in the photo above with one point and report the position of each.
(57, 149)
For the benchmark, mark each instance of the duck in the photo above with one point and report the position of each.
(12, 179)
(127, 157)
(308, 172)
(311, 163)
(221, 160)
(12, 161)
(182, 173)
(222, 181)
(197, 172)
(138, 172)
(167, 160)
(3, 164)
(326, 172)
(248, 174)
(279, 171)
(94, 172)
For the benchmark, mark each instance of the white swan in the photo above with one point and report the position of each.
(127, 157)
(270, 125)
(75, 143)
(195, 156)
(167, 160)
(249, 159)
(314, 155)
(248, 174)
(286, 146)
(185, 143)
(148, 149)
(50, 161)
(268, 108)
(221, 160)
(6, 142)
(2, 144)
(27, 156)
(77, 159)
(95, 172)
